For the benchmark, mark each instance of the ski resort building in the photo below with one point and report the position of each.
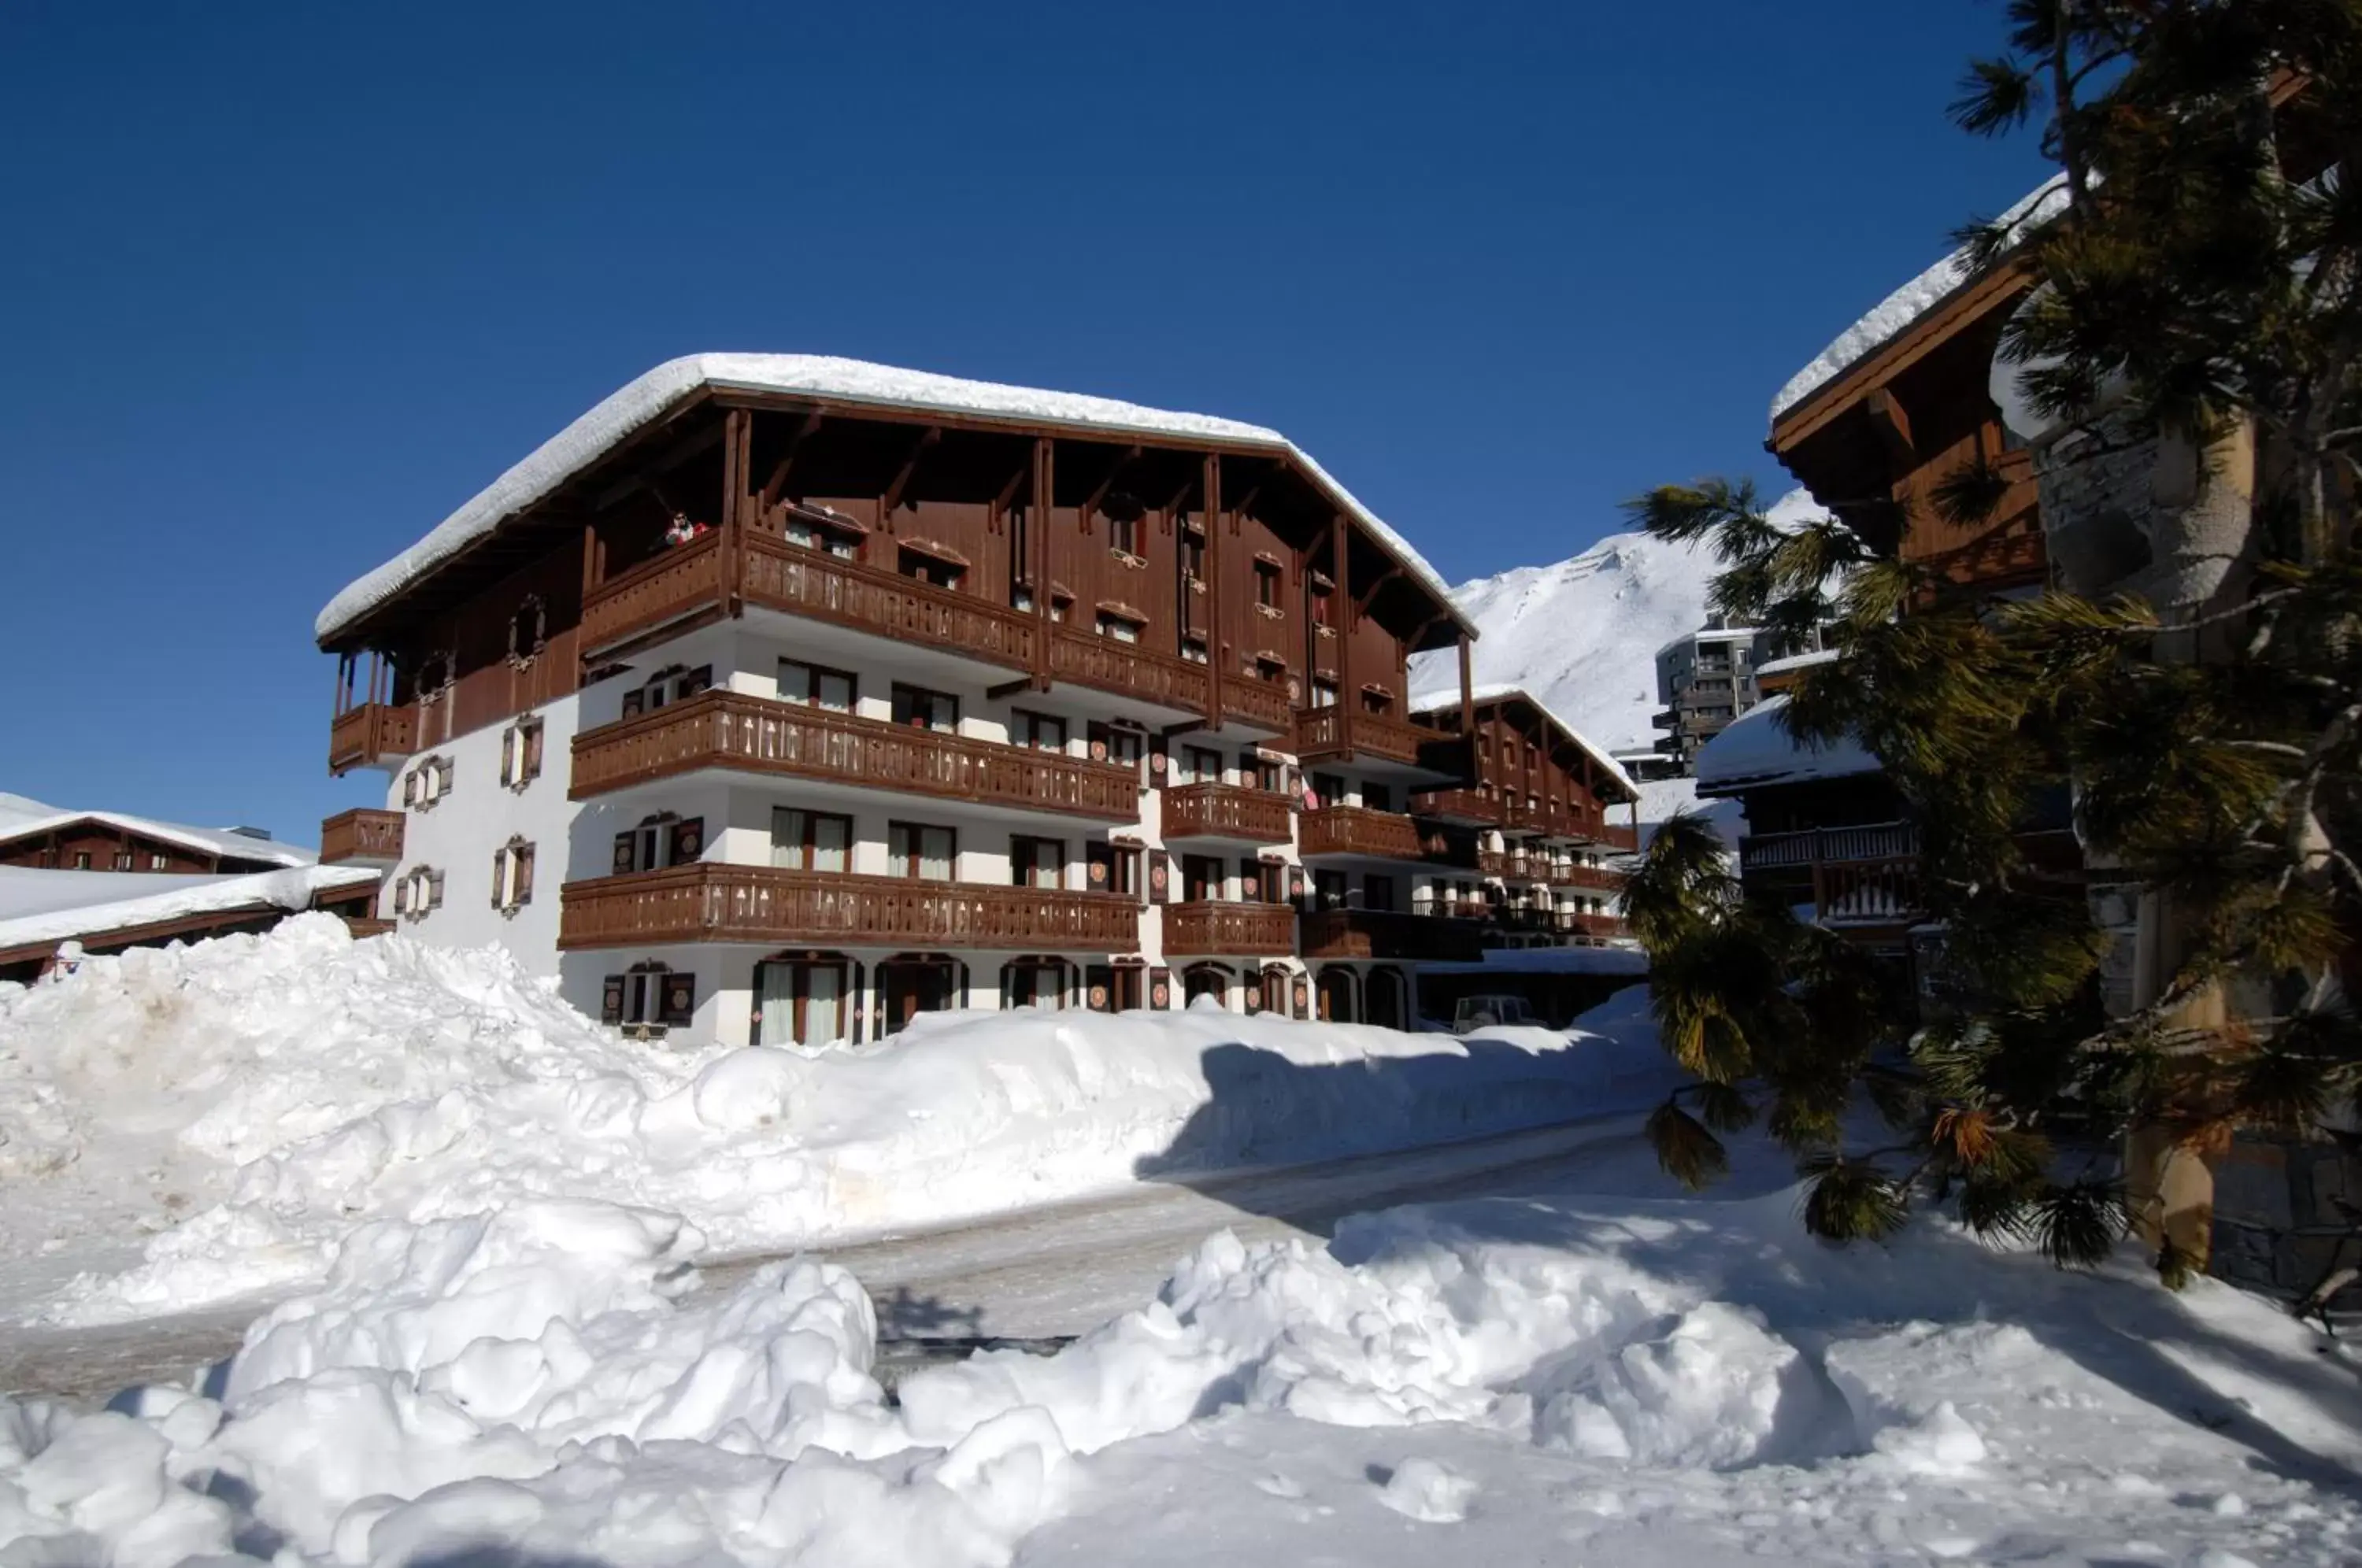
(780, 699)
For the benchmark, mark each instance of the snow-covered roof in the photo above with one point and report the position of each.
(15, 823)
(1796, 662)
(1914, 298)
(37, 905)
(1448, 701)
(1756, 748)
(640, 402)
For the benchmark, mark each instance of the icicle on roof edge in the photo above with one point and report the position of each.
(643, 400)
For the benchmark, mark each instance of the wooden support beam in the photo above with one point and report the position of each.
(671, 457)
(1383, 577)
(1122, 462)
(893, 496)
(1215, 649)
(1037, 524)
(774, 486)
(1345, 615)
(1008, 688)
(1467, 692)
(1186, 726)
(1893, 422)
(737, 497)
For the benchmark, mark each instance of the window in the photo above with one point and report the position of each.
(1378, 893)
(1061, 602)
(1201, 878)
(156, 861)
(418, 894)
(1324, 693)
(1113, 868)
(1329, 889)
(1200, 765)
(426, 783)
(1193, 649)
(1123, 516)
(920, 709)
(1319, 594)
(648, 999)
(917, 850)
(1037, 862)
(512, 875)
(1259, 882)
(1207, 980)
(528, 632)
(799, 1002)
(657, 842)
(1259, 772)
(1117, 626)
(1377, 700)
(1270, 671)
(81, 859)
(123, 860)
(1328, 789)
(1193, 552)
(817, 685)
(1267, 586)
(930, 568)
(1033, 982)
(1126, 747)
(673, 685)
(810, 841)
(814, 529)
(521, 754)
(1041, 732)
(1377, 797)
(909, 986)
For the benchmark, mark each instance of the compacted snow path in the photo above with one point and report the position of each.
(1052, 1271)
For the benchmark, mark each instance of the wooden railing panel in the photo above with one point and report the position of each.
(1225, 811)
(363, 736)
(667, 587)
(1356, 830)
(1388, 934)
(809, 582)
(1127, 668)
(713, 902)
(1246, 930)
(732, 730)
(1257, 702)
(1460, 803)
(1338, 730)
(361, 835)
(1871, 840)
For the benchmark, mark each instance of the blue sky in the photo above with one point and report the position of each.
(283, 285)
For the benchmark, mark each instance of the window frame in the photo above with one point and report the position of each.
(906, 862)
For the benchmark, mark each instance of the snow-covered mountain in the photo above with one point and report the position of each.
(1583, 635)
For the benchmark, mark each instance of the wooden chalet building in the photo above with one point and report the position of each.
(780, 699)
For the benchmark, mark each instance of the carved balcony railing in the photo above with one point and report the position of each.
(372, 735)
(1203, 927)
(804, 582)
(712, 902)
(1389, 934)
(374, 837)
(1127, 670)
(1356, 830)
(754, 734)
(1225, 811)
(1458, 804)
(1872, 840)
(1335, 732)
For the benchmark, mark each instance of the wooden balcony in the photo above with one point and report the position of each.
(1874, 840)
(1086, 658)
(371, 837)
(1598, 927)
(1225, 811)
(1340, 733)
(802, 582)
(1864, 875)
(372, 735)
(762, 905)
(684, 584)
(1560, 819)
(1591, 878)
(1203, 926)
(1585, 928)
(1467, 807)
(1356, 830)
(752, 734)
(1388, 934)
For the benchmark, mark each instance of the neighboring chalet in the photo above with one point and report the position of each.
(99, 882)
(782, 699)
(1890, 411)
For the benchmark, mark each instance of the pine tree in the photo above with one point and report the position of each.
(2199, 297)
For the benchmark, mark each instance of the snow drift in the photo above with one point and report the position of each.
(302, 1083)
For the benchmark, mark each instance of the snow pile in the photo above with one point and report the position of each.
(39, 905)
(1581, 635)
(1649, 1381)
(302, 1084)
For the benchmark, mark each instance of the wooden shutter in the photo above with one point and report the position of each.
(402, 895)
(1160, 762)
(1160, 989)
(679, 1000)
(1296, 884)
(636, 703)
(1099, 865)
(532, 754)
(623, 853)
(500, 864)
(688, 840)
(1160, 876)
(435, 889)
(610, 1000)
(1097, 735)
(1100, 985)
(1303, 997)
(524, 875)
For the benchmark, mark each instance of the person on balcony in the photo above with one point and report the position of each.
(682, 530)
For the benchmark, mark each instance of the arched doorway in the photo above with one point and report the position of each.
(1387, 997)
(1205, 981)
(913, 983)
(1336, 994)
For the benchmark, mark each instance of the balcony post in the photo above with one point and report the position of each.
(1348, 615)
(737, 451)
(1037, 541)
(1467, 696)
(1214, 647)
